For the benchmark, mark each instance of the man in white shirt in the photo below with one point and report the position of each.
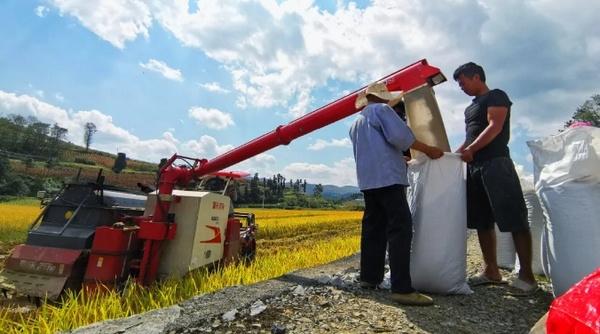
(379, 137)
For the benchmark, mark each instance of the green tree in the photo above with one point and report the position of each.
(58, 135)
(4, 168)
(255, 195)
(35, 139)
(589, 111)
(90, 129)
(318, 190)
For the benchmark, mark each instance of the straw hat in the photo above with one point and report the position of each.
(399, 98)
(380, 90)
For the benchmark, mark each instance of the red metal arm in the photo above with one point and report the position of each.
(406, 79)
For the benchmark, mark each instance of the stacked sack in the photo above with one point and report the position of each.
(567, 181)
(535, 216)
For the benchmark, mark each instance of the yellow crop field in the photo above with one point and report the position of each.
(15, 219)
(287, 240)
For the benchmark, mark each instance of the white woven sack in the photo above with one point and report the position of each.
(505, 250)
(567, 181)
(437, 199)
(535, 217)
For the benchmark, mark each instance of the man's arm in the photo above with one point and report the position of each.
(431, 151)
(461, 148)
(496, 117)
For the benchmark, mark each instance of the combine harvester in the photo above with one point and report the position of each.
(92, 236)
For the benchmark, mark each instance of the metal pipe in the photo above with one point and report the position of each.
(406, 79)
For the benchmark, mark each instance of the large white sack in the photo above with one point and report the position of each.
(567, 181)
(544, 252)
(437, 199)
(572, 155)
(535, 217)
(505, 249)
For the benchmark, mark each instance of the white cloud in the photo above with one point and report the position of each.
(341, 173)
(59, 97)
(321, 144)
(41, 11)
(264, 164)
(162, 68)
(211, 118)
(109, 136)
(214, 87)
(278, 53)
(205, 147)
(116, 21)
(302, 104)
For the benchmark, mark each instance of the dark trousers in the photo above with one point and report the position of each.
(386, 222)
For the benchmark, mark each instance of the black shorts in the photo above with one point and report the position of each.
(494, 194)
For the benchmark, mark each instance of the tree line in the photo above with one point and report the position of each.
(588, 112)
(273, 190)
(29, 136)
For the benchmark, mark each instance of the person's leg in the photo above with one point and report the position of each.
(522, 240)
(399, 232)
(508, 206)
(487, 243)
(479, 217)
(373, 240)
(399, 235)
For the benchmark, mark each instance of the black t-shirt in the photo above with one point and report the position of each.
(476, 121)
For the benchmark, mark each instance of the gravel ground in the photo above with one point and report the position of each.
(335, 304)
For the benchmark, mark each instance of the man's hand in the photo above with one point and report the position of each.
(431, 151)
(434, 152)
(467, 155)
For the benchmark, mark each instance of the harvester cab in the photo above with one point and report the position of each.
(178, 228)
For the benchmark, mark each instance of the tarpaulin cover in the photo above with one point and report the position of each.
(578, 310)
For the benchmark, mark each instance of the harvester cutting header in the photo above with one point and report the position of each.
(90, 234)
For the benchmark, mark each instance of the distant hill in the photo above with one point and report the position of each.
(37, 151)
(333, 192)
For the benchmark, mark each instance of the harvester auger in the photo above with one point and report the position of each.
(180, 230)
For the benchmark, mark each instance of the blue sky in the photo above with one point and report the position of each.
(201, 77)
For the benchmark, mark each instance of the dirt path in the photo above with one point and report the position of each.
(339, 307)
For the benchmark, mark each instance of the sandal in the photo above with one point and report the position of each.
(481, 279)
(523, 288)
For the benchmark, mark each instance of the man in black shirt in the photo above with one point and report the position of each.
(494, 192)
